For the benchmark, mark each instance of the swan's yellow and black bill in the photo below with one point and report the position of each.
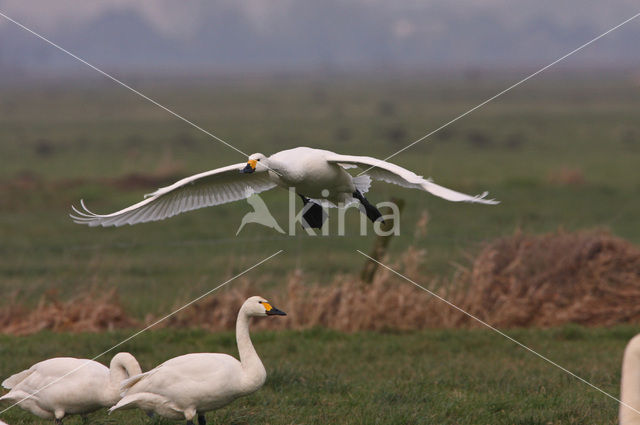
(272, 311)
(251, 166)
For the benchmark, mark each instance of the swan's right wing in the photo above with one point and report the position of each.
(210, 188)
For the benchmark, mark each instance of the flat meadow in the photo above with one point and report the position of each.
(560, 152)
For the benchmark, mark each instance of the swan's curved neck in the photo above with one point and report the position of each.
(630, 386)
(123, 366)
(252, 366)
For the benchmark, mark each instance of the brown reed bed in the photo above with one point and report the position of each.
(91, 311)
(589, 277)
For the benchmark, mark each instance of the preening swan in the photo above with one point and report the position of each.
(63, 386)
(630, 385)
(317, 176)
(193, 384)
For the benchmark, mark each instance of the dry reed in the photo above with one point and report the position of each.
(588, 277)
(92, 311)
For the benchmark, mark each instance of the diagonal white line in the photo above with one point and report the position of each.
(121, 83)
(509, 88)
(147, 328)
(499, 332)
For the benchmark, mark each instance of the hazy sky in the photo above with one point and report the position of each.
(286, 34)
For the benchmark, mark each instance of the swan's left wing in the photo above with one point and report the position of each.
(214, 187)
(391, 173)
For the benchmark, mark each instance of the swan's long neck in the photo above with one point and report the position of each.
(123, 366)
(254, 371)
(630, 386)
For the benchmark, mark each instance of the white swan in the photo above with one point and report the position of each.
(193, 384)
(317, 175)
(65, 386)
(630, 383)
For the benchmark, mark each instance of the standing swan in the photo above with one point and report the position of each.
(193, 384)
(317, 175)
(630, 385)
(65, 386)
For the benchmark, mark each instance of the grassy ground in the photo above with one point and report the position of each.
(430, 377)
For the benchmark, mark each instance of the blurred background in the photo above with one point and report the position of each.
(253, 36)
(362, 77)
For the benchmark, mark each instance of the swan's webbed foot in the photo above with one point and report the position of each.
(315, 215)
(190, 422)
(202, 420)
(372, 212)
(58, 421)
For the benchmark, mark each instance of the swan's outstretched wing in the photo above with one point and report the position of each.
(206, 189)
(395, 174)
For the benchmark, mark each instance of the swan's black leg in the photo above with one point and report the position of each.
(190, 422)
(202, 420)
(315, 215)
(58, 421)
(372, 212)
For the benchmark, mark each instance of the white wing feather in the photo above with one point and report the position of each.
(391, 173)
(210, 188)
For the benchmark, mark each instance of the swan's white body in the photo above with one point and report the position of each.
(63, 386)
(630, 385)
(314, 173)
(197, 383)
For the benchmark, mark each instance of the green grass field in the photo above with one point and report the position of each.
(558, 152)
(429, 377)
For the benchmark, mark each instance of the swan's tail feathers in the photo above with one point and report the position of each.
(14, 380)
(362, 183)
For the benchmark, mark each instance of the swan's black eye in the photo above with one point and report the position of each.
(258, 160)
(259, 302)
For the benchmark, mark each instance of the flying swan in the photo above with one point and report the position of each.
(193, 384)
(63, 386)
(317, 175)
